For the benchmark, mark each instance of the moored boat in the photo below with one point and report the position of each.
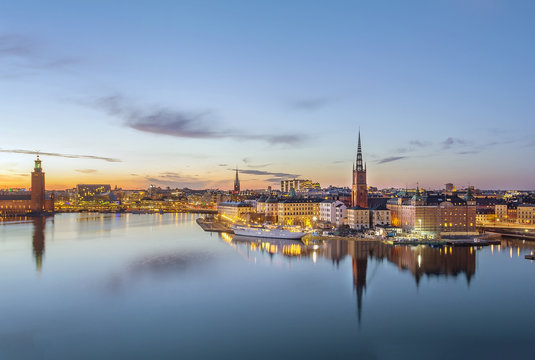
(277, 232)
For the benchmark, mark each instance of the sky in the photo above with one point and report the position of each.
(179, 93)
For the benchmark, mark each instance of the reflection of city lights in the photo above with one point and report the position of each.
(492, 249)
(314, 257)
(511, 253)
(315, 247)
(419, 260)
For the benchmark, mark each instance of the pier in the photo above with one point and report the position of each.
(212, 225)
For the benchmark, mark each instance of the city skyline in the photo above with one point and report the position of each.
(180, 94)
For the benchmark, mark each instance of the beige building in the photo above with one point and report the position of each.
(501, 212)
(358, 218)
(380, 217)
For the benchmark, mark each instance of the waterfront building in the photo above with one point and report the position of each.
(359, 192)
(358, 218)
(333, 211)
(28, 202)
(501, 212)
(269, 207)
(433, 214)
(484, 216)
(512, 212)
(526, 214)
(380, 216)
(298, 211)
(234, 211)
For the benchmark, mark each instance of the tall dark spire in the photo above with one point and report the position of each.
(359, 156)
(237, 182)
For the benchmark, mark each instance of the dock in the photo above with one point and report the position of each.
(213, 225)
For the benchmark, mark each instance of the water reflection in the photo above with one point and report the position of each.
(38, 241)
(418, 260)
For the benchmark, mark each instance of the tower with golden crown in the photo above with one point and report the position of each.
(37, 202)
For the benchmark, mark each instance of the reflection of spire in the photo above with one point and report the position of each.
(359, 280)
(38, 241)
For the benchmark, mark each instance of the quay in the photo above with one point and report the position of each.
(213, 225)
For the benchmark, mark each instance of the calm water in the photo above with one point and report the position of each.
(100, 286)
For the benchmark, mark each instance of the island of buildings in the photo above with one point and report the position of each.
(359, 208)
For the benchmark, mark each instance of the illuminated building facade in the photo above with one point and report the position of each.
(359, 191)
(269, 207)
(297, 211)
(298, 185)
(526, 214)
(234, 211)
(434, 214)
(92, 192)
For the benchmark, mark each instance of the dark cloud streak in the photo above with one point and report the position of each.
(391, 159)
(68, 156)
(267, 173)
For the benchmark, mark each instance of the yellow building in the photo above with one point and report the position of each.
(234, 211)
(526, 214)
(296, 211)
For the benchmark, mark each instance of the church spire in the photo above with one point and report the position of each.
(359, 156)
(237, 182)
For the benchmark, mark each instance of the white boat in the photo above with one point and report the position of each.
(277, 232)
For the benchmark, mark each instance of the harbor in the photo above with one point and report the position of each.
(212, 224)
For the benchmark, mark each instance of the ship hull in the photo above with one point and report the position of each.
(269, 233)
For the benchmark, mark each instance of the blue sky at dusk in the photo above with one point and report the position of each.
(180, 92)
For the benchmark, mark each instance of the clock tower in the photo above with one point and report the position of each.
(37, 199)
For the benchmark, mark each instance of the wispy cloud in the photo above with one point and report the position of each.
(419, 143)
(468, 152)
(86, 171)
(21, 55)
(69, 156)
(391, 159)
(176, 180)
(268, 173)
(310, 104)
(451, 142)
(247, 162)
(198, 125)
